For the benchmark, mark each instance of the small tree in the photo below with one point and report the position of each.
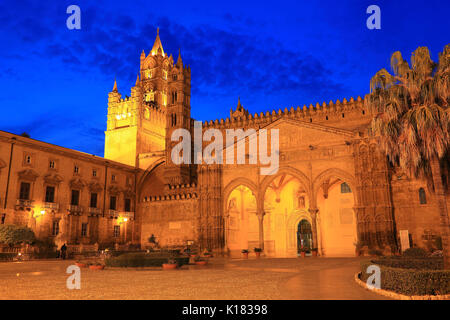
(11, 234)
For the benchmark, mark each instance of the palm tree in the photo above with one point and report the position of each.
(412, 120)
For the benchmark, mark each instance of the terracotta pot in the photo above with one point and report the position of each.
(314, 253)
(81, 265)
(95, 267)
(303, 254)
(201, 263)
(169, 266)
(245, 255)
(258, 254)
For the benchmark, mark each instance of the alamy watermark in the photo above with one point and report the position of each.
(374, 21)
(216, 151)
(74, 20)
(74, 280)
(374, 280)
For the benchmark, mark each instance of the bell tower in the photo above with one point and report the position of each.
(178, 116)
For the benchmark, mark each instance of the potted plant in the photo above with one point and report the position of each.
(314, 252)
(257, 252)
(96, 266)
(207, 253)
(303, 251)
(245, 253)
(81, 264)
(199, 261)
(170, 265)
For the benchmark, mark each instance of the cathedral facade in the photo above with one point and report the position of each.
(334, 189)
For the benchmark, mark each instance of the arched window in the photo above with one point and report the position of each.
(422, 196)
(345, 188)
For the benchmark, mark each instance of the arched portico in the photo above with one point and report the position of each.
(335, 220)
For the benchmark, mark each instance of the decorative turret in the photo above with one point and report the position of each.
(157, 48)
(179, 60)
(240, 111)
(114, 95)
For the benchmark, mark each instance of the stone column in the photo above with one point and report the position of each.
(313, 213)
(260, 216)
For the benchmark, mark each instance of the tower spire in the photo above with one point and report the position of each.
(137, 80)
(179, 61)
(115, 85)
(157, 45)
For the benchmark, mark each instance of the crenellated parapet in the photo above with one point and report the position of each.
(333, 111)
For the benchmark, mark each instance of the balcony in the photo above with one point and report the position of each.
(95, 211)
(24, 204)
(128, 215)
(51, 205)
(113, 213)
(75, 209)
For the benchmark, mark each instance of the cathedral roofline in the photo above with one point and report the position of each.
(305, 112)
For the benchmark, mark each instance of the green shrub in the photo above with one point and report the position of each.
(432, 263)
(415, 253)
(410, 281)
(12, 234)
(143, 260)
(7, 256)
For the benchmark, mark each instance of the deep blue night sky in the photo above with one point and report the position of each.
(273, 54)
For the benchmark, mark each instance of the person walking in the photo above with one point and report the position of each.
(63, 251)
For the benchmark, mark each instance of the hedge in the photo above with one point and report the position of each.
(411, 282)
(432, 263)
(142, 260)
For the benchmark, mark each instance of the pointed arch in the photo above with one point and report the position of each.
(304, 181)
(335, 173)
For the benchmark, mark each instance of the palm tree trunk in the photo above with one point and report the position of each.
(442, 206)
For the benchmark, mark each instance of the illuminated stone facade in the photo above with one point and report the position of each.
(334, 187)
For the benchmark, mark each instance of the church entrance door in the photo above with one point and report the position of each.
(304, 235)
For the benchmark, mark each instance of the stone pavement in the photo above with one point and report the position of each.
(222, 279)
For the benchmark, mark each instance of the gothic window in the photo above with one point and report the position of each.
(174, 119)
(343, 115)
(422, 196)
(113, 177)
(24, 191)
(50, 194)
(165, 75)
(51, 164)
(94, 173)
(76, 169)
(345, 188)
(174, 97)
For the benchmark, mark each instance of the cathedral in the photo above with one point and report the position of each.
(334, 190)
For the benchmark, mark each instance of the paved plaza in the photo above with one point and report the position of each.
(310, 278)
